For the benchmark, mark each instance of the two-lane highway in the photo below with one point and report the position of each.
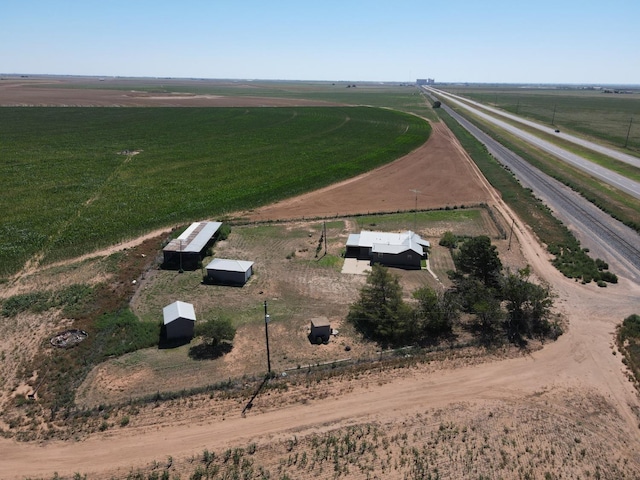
(609, 152)
(614, 179)
(606, 237)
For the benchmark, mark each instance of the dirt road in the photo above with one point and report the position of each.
(580, 360)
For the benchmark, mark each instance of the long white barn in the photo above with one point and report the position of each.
(189, 248)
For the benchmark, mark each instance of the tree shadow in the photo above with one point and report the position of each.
(434, 339)
(209, 352)
(486, 336)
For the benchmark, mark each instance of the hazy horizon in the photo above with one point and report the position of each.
(543, 42)
(293, 80)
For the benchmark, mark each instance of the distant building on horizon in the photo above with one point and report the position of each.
(425, 81)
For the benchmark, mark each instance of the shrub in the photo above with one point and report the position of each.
(448, 240)
(122, 332)
(216, 330)
(224, 231)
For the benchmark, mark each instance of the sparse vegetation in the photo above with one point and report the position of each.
(493, 442)
(72, 300)
(628, 340)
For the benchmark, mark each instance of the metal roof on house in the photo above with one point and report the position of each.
(227, 265)
(194, 238)
(178, 310)
(384, 242)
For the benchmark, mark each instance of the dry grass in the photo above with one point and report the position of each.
(558, 434)
(297, 286)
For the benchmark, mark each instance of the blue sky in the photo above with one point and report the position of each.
(562, 41)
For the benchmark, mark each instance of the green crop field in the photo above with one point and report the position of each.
(68, 189)
(608, 117)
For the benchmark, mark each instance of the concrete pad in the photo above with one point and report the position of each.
(354, 266)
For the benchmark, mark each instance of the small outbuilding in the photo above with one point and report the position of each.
(320, 330)
(179, 320)
(229, 272)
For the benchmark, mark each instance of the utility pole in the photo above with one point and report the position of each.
(325, 237)
(266, 334)
(553, 118)
(415, 210)
(511, 233)
(626, 142)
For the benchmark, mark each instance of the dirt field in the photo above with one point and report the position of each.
(439, 170)
(567, 410)
(40, 92)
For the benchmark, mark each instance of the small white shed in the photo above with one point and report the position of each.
(229, 272)
(179, 320)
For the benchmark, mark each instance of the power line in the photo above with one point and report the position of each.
(415, 210)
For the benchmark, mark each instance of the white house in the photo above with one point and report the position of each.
(405, 249)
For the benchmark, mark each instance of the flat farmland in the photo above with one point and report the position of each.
(64, 91)
(566, 410)
(607, 117)
(76, 179)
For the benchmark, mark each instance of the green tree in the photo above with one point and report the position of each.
(478, 258)
(224, 231)
(470, 291)
(449, 240)
(630, 327)
(216, 331)
(436, 312)
(488, 317)
(380, 313)
(528, 305)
